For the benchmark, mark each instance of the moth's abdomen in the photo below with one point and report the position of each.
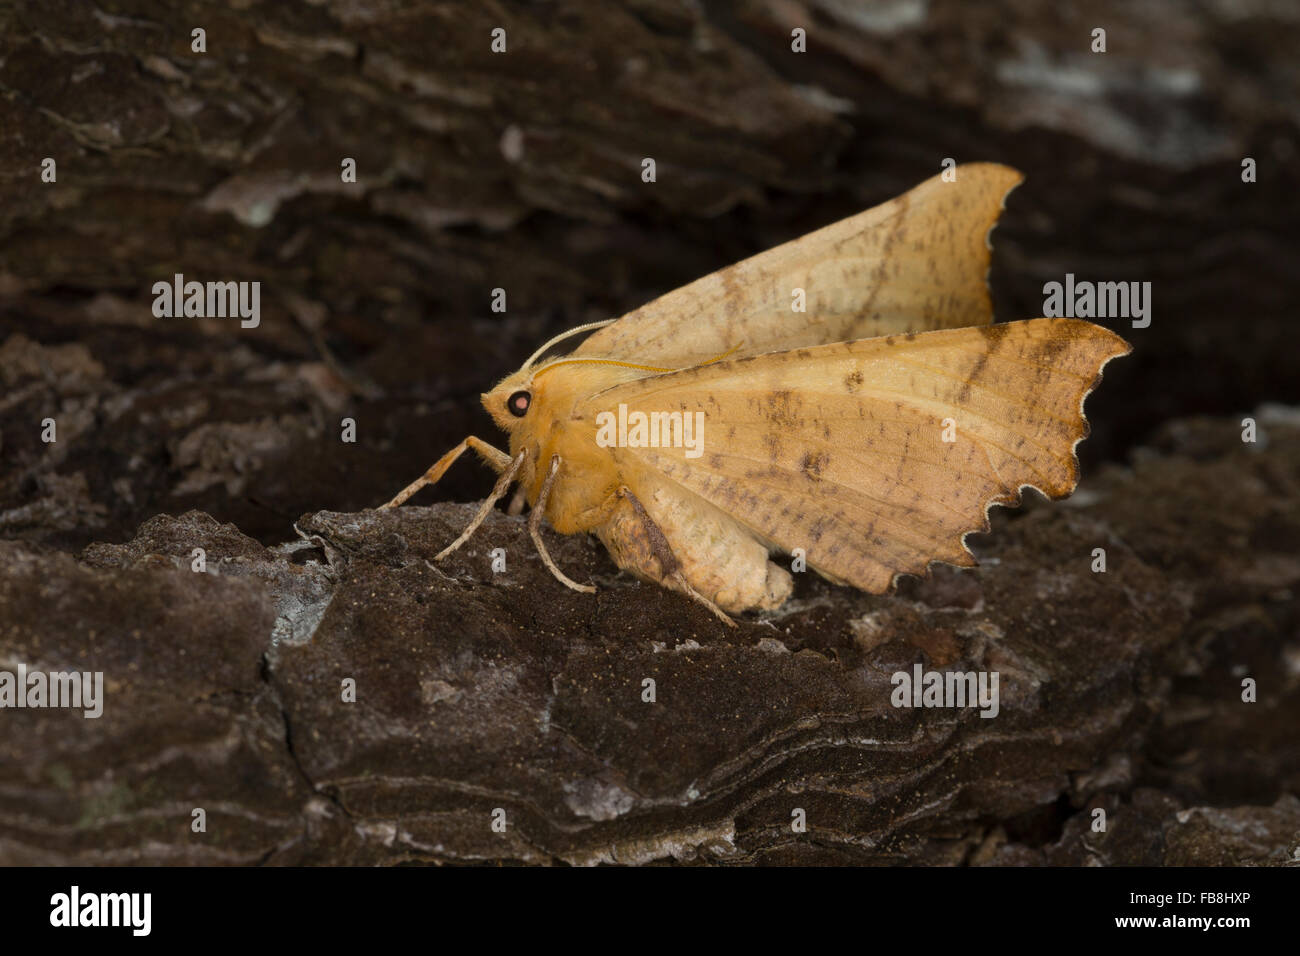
(718, 556)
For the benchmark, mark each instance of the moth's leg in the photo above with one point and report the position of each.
(494, 457)
(670, 567)
(535, 530)
(501, 487)
(517, 502)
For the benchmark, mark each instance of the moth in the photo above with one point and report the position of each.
(844, 397)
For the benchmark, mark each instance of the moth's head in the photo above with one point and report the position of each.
(511, 402)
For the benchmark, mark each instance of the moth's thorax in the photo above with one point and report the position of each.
(559, 421)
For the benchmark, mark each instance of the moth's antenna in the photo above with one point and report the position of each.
(599, 361)
(564, 335)
(646, 368)
(719, 358)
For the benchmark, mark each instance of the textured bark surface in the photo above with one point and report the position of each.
(522, 171)
(478, 691)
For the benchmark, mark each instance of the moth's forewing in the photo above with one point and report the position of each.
(916, 263)
(878, 456)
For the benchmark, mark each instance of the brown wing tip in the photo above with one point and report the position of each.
(1117, 347)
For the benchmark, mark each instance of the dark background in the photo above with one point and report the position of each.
(375, 296)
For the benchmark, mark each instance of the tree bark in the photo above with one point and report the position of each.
(522, 171)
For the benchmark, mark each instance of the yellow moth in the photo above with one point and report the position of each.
(844, 397)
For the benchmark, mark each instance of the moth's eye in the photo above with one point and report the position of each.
(518, 404)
